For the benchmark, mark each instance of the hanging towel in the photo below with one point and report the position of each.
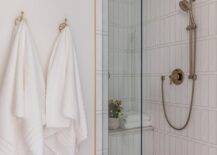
(22, 97)
(65, 115)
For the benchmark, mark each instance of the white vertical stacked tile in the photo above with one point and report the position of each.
(125, 52)
(125, 65)
(128, 142)
(166, 48)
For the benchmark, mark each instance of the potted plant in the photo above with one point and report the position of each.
(115, 114)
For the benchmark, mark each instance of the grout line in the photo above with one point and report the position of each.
(177, 43)
(177, 105)
(185, 138)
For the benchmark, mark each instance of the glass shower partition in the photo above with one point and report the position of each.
(122, 80)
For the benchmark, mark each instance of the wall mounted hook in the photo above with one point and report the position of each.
(19, 18)
(63, 25)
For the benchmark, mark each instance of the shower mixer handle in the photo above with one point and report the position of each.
(173, 77)
(176, 77)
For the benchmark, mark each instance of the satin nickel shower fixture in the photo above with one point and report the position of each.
(186, 6)
(177, 75)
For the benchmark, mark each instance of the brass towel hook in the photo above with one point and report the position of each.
(19, 18)
(63, 25)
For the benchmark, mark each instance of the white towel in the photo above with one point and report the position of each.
(22, 96)
(133, 120)
(65, 115)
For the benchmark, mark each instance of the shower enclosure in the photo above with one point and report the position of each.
(159, 89)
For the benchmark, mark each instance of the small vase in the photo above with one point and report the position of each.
(114, 123)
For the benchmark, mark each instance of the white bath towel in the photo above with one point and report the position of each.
(133, 120)
(22, 96)
(65, 115)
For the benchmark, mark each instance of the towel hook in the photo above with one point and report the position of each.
(63, 25)
(19, 18)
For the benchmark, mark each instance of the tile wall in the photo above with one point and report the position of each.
(125, 53)
(128, 142)
(123, 35)
(165, 48)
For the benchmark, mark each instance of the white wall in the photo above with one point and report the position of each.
(166, 48)
(44, 17)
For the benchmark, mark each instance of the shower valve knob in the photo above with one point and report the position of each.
(177, 77)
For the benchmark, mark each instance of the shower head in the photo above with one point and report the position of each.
(185, 5)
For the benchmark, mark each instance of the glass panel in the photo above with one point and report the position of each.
(122, 77)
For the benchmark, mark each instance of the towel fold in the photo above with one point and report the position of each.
(22, 98)
(65, 115)
(133, 120)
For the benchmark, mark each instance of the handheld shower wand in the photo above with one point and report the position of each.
(186, 6)
(177, 75)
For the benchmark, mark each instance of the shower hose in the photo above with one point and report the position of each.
(190, 108)
(193, 77)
